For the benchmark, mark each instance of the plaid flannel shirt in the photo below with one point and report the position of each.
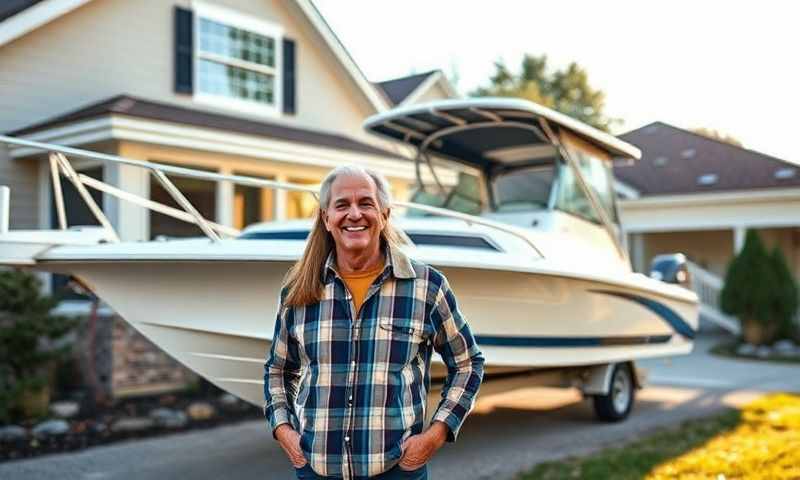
(355, 387)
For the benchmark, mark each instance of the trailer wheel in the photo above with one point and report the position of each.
(617, 404)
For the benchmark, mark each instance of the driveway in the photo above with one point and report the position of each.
(506, 434)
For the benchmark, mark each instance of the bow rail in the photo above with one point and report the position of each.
(61, 166)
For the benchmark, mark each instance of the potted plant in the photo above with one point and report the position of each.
(29, 344)
(750, 292)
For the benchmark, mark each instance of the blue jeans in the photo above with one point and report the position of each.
(394, 473)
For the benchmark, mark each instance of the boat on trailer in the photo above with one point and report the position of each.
(529, 238)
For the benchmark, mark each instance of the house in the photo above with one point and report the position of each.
(252, 87)
(261, 88)
(696, 195)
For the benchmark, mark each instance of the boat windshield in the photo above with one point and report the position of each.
(523, 190)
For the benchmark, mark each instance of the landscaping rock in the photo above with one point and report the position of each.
(229, 401)
(12, 433)
(168, 418)
(201, 411)
(50, 428)
(746, 349)
(784, 347)
(65, 409)
(763, 351)
(132, 424)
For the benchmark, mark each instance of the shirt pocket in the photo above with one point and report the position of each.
(402, 339)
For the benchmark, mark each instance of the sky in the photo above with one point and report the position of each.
(730, 66)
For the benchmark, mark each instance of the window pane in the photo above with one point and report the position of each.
(200, 193)
(232, 42)
(524, 189)
(234, 82)
(571, 198)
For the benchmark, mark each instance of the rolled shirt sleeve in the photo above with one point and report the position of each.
(454, 341)
(282, 372)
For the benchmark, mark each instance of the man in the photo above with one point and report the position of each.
(347, 376)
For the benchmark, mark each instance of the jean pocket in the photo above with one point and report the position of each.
(305, 472)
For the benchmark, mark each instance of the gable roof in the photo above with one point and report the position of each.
(19, 17)
(398, 89)
(138, 108)
(676, 161)
(9, 8)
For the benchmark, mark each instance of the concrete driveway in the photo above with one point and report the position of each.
(506, 434)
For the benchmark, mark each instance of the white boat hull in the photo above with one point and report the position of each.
(217, 317)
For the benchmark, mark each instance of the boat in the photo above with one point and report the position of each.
(529, 237)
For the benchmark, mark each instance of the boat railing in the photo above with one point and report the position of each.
(708, 288)
(60, 166)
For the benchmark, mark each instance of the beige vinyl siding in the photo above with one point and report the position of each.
(112, 47)
(21, 176)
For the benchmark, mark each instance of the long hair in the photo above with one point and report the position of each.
(304, 279)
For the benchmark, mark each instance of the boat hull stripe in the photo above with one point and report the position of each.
(664, 312)
(555, 342)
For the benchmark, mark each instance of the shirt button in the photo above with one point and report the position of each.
(347, 439)
(350, 400)
(353, 363)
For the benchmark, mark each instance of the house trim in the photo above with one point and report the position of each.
(312, 14)
(34, 17)
(119, 127)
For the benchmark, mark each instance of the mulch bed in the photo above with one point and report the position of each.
(89, 430)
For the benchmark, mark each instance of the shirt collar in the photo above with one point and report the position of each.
(397, 261)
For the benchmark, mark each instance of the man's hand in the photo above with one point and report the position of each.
(418, 449)
(289, 440)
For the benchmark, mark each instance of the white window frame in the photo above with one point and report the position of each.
(235, 19)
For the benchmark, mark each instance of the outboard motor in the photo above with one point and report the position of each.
(670, 268)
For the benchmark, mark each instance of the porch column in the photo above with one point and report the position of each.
(636, 249)
(281, 199)
(739, 234)
(130, 220)
(225, 192)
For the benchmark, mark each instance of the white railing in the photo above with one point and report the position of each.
(60, 165)
(708, 287)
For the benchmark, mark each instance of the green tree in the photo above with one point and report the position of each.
(567, 91)
(28, 338)
(756, 291)
(785, 301)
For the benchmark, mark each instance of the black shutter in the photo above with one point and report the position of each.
(184, 46)
(289, 77)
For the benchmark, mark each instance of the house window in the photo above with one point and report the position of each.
(237, 61)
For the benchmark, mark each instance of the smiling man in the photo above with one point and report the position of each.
(347, 376)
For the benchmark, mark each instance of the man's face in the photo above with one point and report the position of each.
(354, 217)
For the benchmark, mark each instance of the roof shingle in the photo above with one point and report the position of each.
(397, 89)
(675, 160)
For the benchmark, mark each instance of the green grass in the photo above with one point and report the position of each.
(635, 460)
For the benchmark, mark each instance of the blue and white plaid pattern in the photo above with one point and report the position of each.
(355, 390)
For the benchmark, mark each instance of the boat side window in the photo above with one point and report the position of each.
(526, 189)
(598, 176)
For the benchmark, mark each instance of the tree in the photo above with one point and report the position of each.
(567, 91)
(785, 299)
(28, 338)
(756, 291)
(717, 135)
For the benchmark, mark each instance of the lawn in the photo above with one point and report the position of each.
(762, 441)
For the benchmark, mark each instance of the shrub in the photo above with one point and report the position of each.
(786, 301)
(28, 338)
(760, 290)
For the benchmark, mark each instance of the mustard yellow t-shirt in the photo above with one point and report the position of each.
(359, 283)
